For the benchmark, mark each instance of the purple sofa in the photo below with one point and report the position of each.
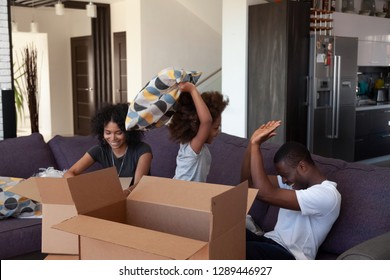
(362, 230)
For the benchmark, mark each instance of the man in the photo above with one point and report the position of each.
(309, 204)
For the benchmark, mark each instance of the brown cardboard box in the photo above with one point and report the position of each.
(53, 257)
(161, 219)
(57, 206)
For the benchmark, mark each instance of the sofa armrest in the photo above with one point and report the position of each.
(377, 248)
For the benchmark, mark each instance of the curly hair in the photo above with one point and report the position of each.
(116, 113)
(184, 124)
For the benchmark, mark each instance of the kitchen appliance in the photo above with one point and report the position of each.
(332, 96)
(381, 95)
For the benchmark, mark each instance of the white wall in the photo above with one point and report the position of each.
(166, 33)
(234, 65)
(20, 41)
(59, 30)
(172, 35)
(128, 18)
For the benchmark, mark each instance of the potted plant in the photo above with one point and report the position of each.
(29, 74)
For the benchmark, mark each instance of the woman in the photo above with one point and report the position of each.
(118, 147)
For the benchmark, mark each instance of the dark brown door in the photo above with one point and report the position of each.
(120, 67)
(84, 102)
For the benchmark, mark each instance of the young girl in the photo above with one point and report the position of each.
(118, 147)
(197, 121)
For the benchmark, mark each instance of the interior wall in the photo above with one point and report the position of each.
(173, 35)
(234, 71)
(20, 41)
(128, 18)
(159, 34)
(59, 30)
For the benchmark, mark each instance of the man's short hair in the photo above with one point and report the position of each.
(293, 153)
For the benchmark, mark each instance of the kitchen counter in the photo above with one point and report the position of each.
(375, 106)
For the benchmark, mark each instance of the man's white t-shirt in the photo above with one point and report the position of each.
(191, 166)
(302, 232)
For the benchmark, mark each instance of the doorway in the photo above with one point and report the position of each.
(120, 67)
(84, 101)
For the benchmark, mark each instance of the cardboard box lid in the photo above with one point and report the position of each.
(172, 246)
(179, 193)
(94, 190)
(45, 190)
(196, 210)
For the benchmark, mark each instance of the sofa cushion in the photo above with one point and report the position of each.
(164, 152)
(19, 236)
(225, 150)
(364, 213)
(23, 156)
(155, 103)
(69, 149)
(12, 204)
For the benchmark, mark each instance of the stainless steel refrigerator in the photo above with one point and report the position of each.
(332, 94)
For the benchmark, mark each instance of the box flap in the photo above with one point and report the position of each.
(229, 208)
(94, 190)
(180, 193)
(252, 193)
(172, 246)
(54, 191)
(27, 188)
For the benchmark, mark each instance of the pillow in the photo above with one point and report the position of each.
(154, 104)
(14, 205)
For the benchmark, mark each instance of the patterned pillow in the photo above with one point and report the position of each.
(14, 205)
(154, 104)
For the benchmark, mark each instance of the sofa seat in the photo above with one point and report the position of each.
(19, 236)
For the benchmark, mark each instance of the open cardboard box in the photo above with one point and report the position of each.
(57, 206)
(161, 219)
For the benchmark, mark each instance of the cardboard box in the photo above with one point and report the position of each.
(53, 257)
(161, 219)
(57, 206)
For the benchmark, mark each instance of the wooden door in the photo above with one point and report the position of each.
(120, 67)
(84, 100)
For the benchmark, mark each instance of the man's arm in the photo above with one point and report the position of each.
(269, 190)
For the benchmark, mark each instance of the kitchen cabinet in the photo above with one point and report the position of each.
(373, 53)
(373, 34)
(372, 133)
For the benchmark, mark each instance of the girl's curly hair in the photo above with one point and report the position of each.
(184, 124)
(116, 113)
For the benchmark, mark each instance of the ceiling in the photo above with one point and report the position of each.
(51, 3)
(34, 3)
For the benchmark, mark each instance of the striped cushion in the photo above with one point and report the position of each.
(154, 105)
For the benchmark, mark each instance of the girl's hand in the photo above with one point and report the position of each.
(186, 87)
(264, 132)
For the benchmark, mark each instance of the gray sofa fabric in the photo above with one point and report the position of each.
(377, 248)
(365, 189)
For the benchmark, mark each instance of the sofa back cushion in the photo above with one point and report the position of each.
(164, 152)
(23, 156)
(227, 152)
(69, 149)
(365, 211)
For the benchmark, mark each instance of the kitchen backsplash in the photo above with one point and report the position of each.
(370, 78)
